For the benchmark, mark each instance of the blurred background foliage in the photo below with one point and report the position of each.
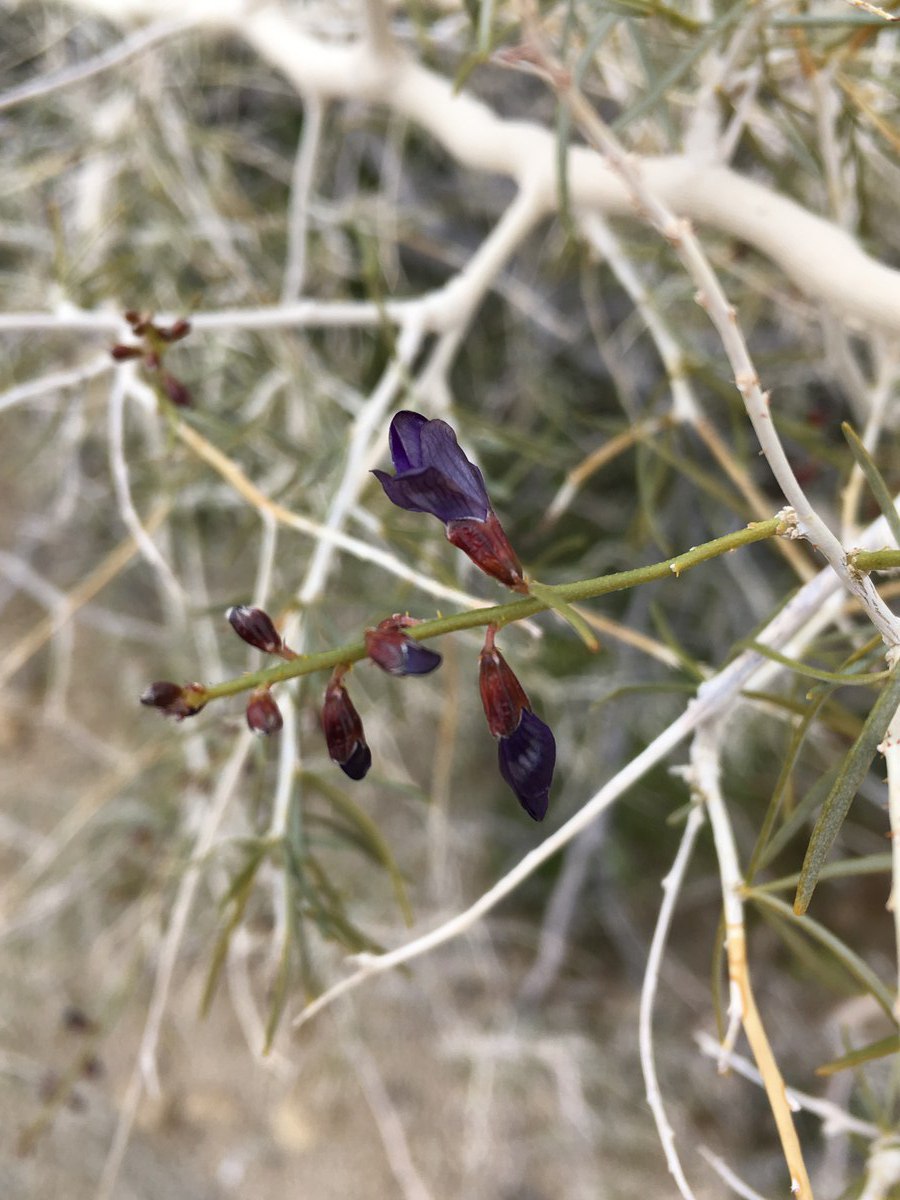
(163, 185)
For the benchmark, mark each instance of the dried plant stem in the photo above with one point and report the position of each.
(705, 760)
(890, 748)
(119, 558)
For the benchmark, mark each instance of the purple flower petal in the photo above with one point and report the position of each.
(441, 450)
(359, 761)
(418, 659)
(433, 473)
(430, 491)
(405, 439)
(527, 758)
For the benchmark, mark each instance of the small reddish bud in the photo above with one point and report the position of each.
(489, 548)
(122, 353)
(174, 700)
(396, 652)
(343, 729)
(256, 628)
(177, 331)
(176, 391)
(526, 748)
(502, 696)
(263, 714)
(133, 317)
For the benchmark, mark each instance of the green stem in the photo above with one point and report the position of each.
(874, 560)
(505, 614)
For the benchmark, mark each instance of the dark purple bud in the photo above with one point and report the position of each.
(487, 545)
(122, 353)
(256, 628)
(526, 748)
(174, 700)
(263, 714)
(343, 729)
(176, 391)
(527, 758)
(396, 652)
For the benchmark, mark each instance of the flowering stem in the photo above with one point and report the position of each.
(874, 560)
(516, 610)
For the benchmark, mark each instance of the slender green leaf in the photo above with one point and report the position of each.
(847, 868)
(370, 837)
(849, 959)
(857, 1058)
(238, 895)
(279, 994)
(837, 677)
(565, 610)
(783, 783)
(874, 479)
(852, 772)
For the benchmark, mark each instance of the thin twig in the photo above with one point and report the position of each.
(671, 886)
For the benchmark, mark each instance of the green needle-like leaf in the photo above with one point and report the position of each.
(852, 773)
(849, 960)
(874, 479)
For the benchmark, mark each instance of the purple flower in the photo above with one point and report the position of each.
(435, 476)
(396, 652)
(526, 748)
(343, 729)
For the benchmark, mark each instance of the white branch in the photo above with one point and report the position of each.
(671, 885)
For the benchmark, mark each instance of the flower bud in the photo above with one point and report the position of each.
(502, 696)
(396, 652)
(177, 392)
(256, 628)
(343, 730)
(180, 329)
(263, 714)
(174, 700)
(526, 748)
(122, 353)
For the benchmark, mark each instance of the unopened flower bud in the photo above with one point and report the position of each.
(343, 730)
(256, 628)
(180, 329)
(122, 353)
(263, 714)
(177, 392)
(526, 748)
(173, 699)
(396, 652)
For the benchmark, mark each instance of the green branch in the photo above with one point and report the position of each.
(506, 614)
(874, 560)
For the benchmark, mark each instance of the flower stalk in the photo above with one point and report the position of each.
(505, 614)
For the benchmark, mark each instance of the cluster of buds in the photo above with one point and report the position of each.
(154, 341)
(257, 629)
(433, 475)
